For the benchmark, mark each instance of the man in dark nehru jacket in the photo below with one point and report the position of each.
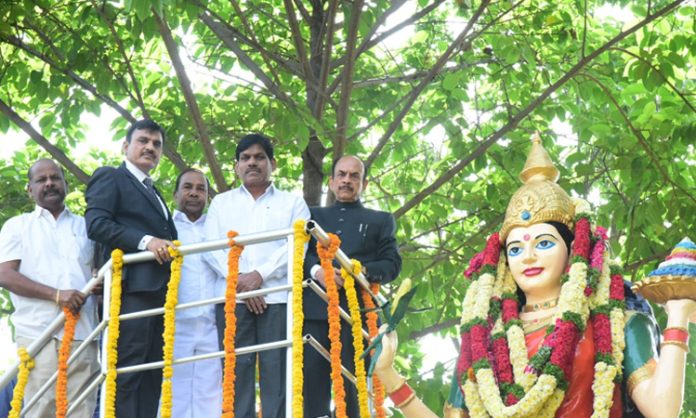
(125, 210)
(366, 235)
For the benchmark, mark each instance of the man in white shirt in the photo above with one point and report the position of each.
(256, 206)
(45, 257)
(196, 386)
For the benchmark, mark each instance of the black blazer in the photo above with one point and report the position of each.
(120, 211)
(366, 235)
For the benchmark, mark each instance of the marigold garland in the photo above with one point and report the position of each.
(114, 327)
(63, 356)
(373, 329)
(171, 300)
(230, 326)
(356, 328)
(301, 238)
(496, 375)
(26, 363)
(326, 256)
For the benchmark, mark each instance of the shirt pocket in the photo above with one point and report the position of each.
(80, 248)
(277, 218)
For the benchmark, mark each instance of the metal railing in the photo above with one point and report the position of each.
(104, 275)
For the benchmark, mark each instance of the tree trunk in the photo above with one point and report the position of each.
(312, 173)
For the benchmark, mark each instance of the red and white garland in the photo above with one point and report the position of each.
(497, 377)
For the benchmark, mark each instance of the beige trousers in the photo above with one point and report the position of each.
(80, 373)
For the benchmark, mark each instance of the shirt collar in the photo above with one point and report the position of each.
(181, 216)
(269, 190)
(138, 173)
(349, 205)
(39, 212)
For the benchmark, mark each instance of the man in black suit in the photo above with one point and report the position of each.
(366, 235)
(124, 210)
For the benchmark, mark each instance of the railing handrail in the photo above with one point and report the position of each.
(248, 239)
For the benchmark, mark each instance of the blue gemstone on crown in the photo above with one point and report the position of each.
(525, 215)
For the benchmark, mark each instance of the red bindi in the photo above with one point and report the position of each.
(526, 237)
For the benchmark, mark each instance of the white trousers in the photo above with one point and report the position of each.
(196, 386)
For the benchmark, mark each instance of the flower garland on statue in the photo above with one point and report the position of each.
(301, 238)
(114, 326)
(498, 378)
(63, 355)
(26, 363)
(373, 330)
(326, 256)
(607, 315)
(356, 328)
(171, 300)
(231, 326)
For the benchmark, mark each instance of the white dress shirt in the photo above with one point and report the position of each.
(54, 252)
(138, 174)
(238, 211)
(197, 277)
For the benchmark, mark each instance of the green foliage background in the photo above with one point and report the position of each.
(443, 118)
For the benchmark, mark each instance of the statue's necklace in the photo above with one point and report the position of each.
(540, 306)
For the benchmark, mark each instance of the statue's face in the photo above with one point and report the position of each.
(537, 257)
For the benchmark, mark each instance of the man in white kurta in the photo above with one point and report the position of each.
(45, 258)
(256, 206)
(196, 386)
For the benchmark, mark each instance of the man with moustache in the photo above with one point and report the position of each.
(45, 257)
(366, 235)
(125, 210)
(196, 386)
(256, 206)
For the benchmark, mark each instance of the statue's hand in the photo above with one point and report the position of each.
(390, 343)
(680, 311)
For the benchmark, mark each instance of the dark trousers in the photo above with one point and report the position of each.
(140, 341)
(317, 371)
(257, 329)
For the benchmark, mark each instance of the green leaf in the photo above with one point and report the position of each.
(450, 81)
(142, 9)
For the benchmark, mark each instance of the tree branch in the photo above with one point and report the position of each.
(191, 103)
(414, 335)
(55, 152)
(636, 264)
(77, 36)
(326, 60)
(299, 44)
(227, 36)
(12, 40)
(368, 42)
(290, 66)
(371, 82)
(639, 136)
(170, 153)
(449, 174)
(262, 52)
(664, 77)
(413, 95)
(347, 83)
(122, 50)
(303, 11)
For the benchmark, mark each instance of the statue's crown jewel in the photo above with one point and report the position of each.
(539, 199)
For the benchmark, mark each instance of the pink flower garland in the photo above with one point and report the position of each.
(464, 361)
(581, 244)
(511, 309)
(492, 251)
(616, 289)
(474, 265)
(601, 327)
(479, 343)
